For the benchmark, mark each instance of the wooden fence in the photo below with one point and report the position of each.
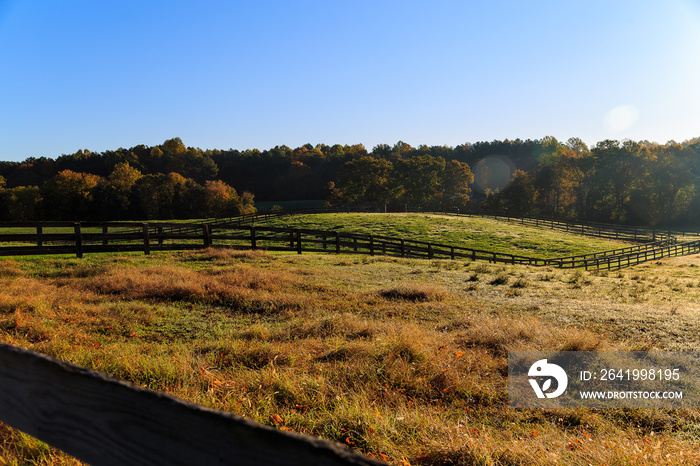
(21, 238)
(104, 421)
(598, 230)
(40, 238)
(594, 229)
(612, 260)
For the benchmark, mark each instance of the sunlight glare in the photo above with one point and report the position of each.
(621, 118)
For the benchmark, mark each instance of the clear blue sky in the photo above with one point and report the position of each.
(241, 74)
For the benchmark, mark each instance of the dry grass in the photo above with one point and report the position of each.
(413, 293)
(403, 360)
(240, 289)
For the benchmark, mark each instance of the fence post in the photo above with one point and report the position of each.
(430, 251)
(253, 239)
(371, 245)
(298, 234)
(452, 252)
(39, 233)
(206, 235)
(337, 242)
(403, 248)
(146, 240)
(160, 236)
(105, 230)
(78, 240)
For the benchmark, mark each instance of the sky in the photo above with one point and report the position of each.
(101, 75)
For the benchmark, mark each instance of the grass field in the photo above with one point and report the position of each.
(470, 232)
(401, 359)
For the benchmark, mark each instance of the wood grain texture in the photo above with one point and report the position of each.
(104, 421)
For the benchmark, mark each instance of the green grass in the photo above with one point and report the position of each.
(469, 232)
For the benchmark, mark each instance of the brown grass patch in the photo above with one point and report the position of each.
(501, 335)
(228, 255)
(251, 356)
(10, 268)
(241, 289)
(413, 293)
(345, 326)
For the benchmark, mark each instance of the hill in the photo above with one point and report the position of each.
(469, 232)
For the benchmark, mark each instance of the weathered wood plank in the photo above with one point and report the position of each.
(104, 421)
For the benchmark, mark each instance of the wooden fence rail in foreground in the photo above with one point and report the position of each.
(104, 421)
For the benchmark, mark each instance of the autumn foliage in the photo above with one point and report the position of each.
(629, 182)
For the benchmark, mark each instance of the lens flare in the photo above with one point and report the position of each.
(493, 173)
(621, 118)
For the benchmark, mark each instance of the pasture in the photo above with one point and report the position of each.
(469, 232)
(401, 359)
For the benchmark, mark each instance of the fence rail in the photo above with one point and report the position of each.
(33, 238)
(105, 421)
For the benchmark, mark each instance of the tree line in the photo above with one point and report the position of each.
(629, 182)
(634, 182)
